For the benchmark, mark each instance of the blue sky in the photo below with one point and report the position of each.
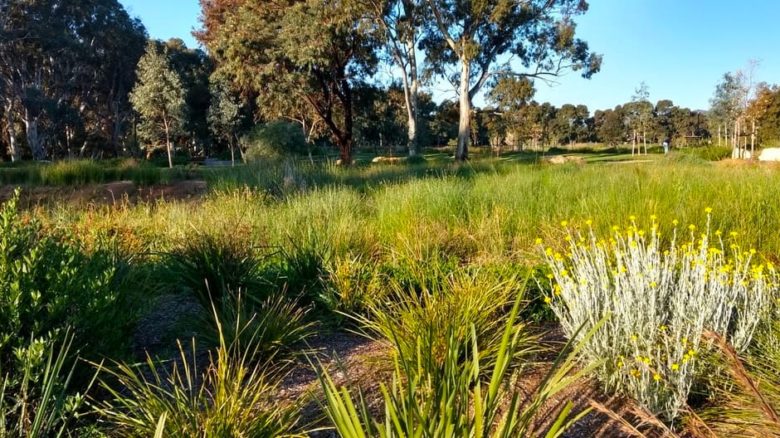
(680, 48)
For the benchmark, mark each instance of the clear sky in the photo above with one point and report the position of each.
(680, 48)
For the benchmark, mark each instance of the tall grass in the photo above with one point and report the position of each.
(79, 172)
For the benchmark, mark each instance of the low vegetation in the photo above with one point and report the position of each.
(426, 260)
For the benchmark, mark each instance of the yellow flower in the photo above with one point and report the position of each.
(708, 210)
(692, 227)
(538, 240)
(635, 372)
(589, 222)
(653, 217)
(654, 284)
(632, 218)
(733, 234)
(634, 338)
(675, 222)
(675, 367)
(564, 223)
(656, 377)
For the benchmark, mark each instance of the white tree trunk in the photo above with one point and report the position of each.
(34, 140)
(464, 125)
(753, 140)
(411, 92)
(13, 146)
(168, 143)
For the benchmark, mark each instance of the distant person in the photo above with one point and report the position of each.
(666, 146)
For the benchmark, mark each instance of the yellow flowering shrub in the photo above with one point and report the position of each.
(657, 295)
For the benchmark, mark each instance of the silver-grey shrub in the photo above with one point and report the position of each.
(658, 296)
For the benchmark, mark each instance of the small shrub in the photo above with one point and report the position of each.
(300, 268)
(352, 284)
(657, 301)
(709, 153)
(48, 282)
(274, 140)
(746, 399)
(272, 327)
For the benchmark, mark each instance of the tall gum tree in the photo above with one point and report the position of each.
(400, 25)
(301, 58)
(485, 38)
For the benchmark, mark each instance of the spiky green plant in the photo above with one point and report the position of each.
(39, 405)
(213, 266)
(273, 326)
(232, 396)
(458, 397)
(452, 307)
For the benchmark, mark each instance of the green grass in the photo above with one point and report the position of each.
(81, 172)
(336, 238)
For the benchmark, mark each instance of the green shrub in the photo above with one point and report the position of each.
(300, 268)
(228, 278)
(709, 153)
(273, 326)
(274, 140)
(49, 282)
(352, 284)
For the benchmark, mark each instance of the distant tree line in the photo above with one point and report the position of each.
(82, 79)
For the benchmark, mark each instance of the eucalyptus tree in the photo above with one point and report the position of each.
(470, 42)
(726, 105)
(65, 70)
(302, 59)
(509, 96)
(158, 97)
(400, 24)
(639, 115)
(225, 116)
